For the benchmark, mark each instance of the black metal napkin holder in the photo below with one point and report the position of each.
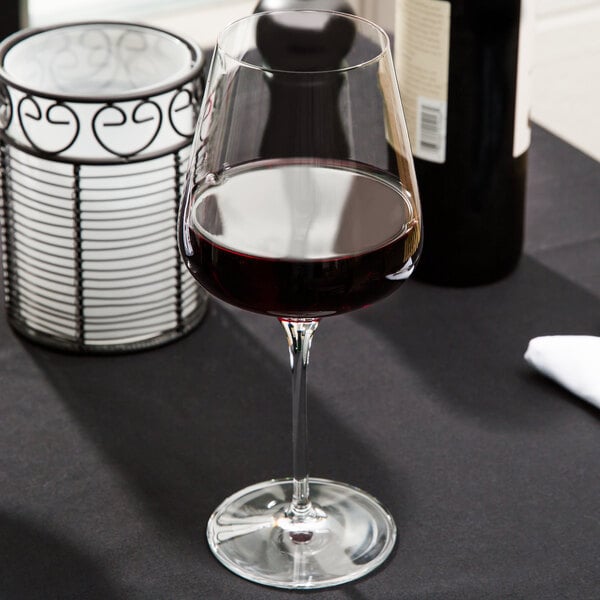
(96, 122)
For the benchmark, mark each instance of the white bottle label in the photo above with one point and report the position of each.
(522, 134)
(422, 55)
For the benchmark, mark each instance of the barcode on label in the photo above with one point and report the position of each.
(431, 130)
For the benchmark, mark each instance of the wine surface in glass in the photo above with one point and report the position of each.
(300, 239)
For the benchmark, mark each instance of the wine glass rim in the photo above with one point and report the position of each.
(384, 42)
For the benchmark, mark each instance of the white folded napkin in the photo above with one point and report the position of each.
(571, 360)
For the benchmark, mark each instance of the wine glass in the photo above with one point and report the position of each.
(300, 202)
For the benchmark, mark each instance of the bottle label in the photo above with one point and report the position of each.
(522, 135)
(422, 54)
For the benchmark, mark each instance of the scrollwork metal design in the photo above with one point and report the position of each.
(145, 112)
(59, 119)
(182, 100)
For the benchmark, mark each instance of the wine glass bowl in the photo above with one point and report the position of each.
(311, 246)
(301, 203)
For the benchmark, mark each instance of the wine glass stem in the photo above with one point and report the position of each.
(299, 335)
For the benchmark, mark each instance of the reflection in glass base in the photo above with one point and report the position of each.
(349, 535)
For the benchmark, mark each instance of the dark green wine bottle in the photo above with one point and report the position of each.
(463, 68)
(284, 48)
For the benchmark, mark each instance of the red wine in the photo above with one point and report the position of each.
(293, 239)
(469, 132)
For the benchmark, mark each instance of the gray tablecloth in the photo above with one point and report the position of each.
(110, 466)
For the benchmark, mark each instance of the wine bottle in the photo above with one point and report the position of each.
(462, 67)
(290, 48)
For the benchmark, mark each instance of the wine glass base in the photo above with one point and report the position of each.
(351, 534)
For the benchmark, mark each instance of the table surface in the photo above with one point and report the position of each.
(111, 466)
